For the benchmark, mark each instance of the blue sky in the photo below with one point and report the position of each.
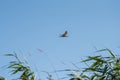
(26, 25)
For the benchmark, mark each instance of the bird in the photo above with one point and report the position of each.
(64, 34)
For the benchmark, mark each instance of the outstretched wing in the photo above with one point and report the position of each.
(65, 33)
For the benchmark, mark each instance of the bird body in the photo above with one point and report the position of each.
(64, 34)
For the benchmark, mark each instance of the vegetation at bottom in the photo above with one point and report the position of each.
(97, 68)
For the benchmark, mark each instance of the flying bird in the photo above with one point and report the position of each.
(64, 34)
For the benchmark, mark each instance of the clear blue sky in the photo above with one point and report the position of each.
(26, 25)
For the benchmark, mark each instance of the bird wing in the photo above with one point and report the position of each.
(65, 33)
